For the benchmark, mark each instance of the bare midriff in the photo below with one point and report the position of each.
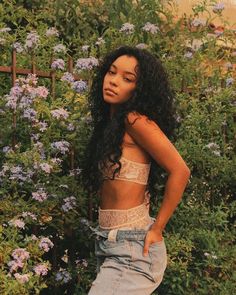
(121, 194)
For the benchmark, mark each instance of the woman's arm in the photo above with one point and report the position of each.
(149, 136)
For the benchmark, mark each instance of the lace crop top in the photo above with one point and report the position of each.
(129, 171)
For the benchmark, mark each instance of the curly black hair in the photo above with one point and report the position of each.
(153, 97)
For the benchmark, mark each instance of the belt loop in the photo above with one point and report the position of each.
(112, 235)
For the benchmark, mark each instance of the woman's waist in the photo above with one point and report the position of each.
(135, 217)
(123, 198)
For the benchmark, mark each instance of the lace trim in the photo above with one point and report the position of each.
(137, 217)
(130, 171)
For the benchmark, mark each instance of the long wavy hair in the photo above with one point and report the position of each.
(153, 97)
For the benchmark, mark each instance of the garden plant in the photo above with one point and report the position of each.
(46, 246)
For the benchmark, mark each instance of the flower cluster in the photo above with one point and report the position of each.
(151, 28)
(214, 147)
(61, 146)
(18, 47)
(32, 41)
(58, 64)
(59, 48)
(70, 203)
(22, 278)
(45, 244)
(52, 32)
(5, 30)
(67, 77)
(20, 255)
(63, 276)
(23, 94)
(17, 223)
(86, 63)
(47, 168)
(16, 172)
(85, 48)
(40, 195)
(229, 81)
(60, 113)
(41, 269)
(79, 86)
(218, 7)
(100, 41)
(198, 22)
(142, 46)
(127, 28)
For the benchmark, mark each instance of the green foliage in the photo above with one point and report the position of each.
(200, 237)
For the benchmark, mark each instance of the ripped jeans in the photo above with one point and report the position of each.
(121, 267)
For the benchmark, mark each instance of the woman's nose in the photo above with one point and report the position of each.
(114, 80)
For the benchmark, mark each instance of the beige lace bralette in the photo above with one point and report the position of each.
(129, 171)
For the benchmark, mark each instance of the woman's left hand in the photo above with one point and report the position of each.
(153, 235)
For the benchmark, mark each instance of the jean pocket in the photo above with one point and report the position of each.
(158, 256)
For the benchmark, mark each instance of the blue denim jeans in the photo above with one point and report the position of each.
(121, 267)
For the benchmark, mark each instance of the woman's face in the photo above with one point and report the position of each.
(120, 80)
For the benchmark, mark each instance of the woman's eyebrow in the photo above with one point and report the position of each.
(126, 72)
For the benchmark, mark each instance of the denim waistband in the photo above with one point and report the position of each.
(121, 234)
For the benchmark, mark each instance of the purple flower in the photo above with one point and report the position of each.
(127, 28)
(52, 32)
(62, 146)
(214, 147)
(46, 167)
(18, 47)
(22, 278)
(229, 81)
(5, 30)
(63, 276)
(59, 48)
(14, 265)
(71, 127)
(2, 41)
(67, 77)
(217, 8)
(40, 195)
(58, 64)
(198, 22)
(17, 223)
(60, 113)
(188, 55)
(20, 254)
(100, 41)
(29, 214)
(41, 91)
(6, 149)
(41, 269)
(86, 63)
(42, 126)
(142, 46)
(228, 65)
(85, 48)
(45, 244)
(70, 203)
(29, 114)
(151, 28)
(79, 86)
(32, 40)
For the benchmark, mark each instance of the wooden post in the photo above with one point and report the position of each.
(13, 70)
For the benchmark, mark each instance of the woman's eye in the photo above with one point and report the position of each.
(111, 72)
(127, 79)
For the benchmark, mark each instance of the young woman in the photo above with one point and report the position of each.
(133, 116)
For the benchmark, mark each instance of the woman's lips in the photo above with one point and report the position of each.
(110, 91)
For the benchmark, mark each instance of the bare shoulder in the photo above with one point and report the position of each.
(134, 120)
